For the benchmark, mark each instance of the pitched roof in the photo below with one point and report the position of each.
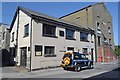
(32, 13)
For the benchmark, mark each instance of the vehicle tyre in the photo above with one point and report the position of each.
(77, 68)
(90, 66)
(65, 68)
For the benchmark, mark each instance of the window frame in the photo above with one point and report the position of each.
(81, 37)
(49, 55)
(44, 30)
(61, 33)
(83, 49)
(38, 50)
(13, 34)
(26, 34)
(68, 37)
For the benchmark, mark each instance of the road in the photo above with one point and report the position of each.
(101, 70)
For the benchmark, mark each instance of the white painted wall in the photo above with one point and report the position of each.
(23, 41)
(60, 43)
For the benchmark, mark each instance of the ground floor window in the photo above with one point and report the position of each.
(70, 48)
(38, 50)
(49, 51)
(85, 50)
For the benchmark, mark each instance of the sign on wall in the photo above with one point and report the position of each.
(38, 50)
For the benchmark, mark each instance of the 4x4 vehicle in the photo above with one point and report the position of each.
(76, 60)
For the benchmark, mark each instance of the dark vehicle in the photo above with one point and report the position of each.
(76, 60)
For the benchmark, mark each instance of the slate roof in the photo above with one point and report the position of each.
(32, 13)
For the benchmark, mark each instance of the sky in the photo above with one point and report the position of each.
(57, 9)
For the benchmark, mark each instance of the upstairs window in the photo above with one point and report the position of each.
(85, 50)
(13, 36)
(61, 33)
(49, 30)
(110, 41)
(26, 30)
(70, 34)
(83, 36)
(109, 30)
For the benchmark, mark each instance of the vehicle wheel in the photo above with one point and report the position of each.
(77, 68)
(90, 66)
(65, 68)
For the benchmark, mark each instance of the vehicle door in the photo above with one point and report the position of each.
(84, 60)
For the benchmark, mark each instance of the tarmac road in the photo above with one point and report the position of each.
(101, 70)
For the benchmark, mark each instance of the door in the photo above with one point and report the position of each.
(92, 54)
(23, 56)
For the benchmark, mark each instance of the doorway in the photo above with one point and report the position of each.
(23, 59)
(92, 57)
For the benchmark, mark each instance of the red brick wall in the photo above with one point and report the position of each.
(108, 55)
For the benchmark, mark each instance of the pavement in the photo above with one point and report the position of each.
(100, 70)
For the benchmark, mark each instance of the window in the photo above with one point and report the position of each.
(49, 30)
(3, 35)
(98, 24)
(98, 40)
(92, 38)
(85, 50)
(83, 36)
(70, 48)
(38, 50)
(49, 51)
(26, 30)
(109, 30)
(110, 41)
(61, 33)
(70, 34)
(13, 36)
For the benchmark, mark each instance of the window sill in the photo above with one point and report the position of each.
(25, 36)
(53, 36)
(50, 55)
(85, 40)
(12, 40)
(70, 39)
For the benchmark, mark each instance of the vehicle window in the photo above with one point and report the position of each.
(83, 57)
(76, 57)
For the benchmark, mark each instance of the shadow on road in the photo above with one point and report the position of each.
(111, 75)
(82, 69)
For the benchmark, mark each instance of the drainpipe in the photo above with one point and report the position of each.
(31, 45)
(96, 44)
(16, 46)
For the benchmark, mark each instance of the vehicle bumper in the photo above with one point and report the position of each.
(71, 66)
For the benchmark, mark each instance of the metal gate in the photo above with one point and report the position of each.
(23, 57)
